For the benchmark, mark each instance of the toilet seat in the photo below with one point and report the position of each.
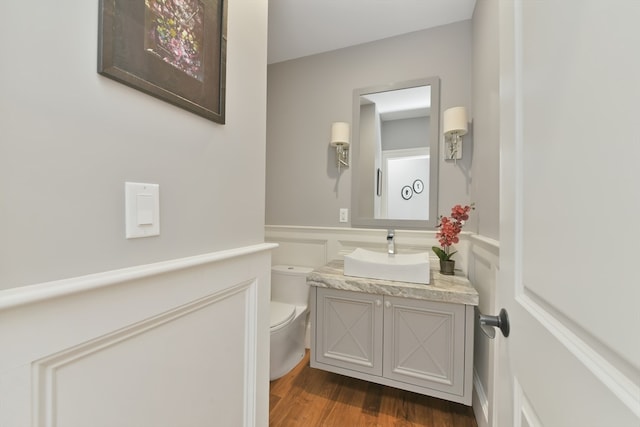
(281, 314)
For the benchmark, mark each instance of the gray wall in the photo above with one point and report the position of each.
(370, 130)
(306, 95)
(405, 133)
(70, 138)
(485, 167)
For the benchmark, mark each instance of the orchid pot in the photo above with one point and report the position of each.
(449, 229)
(447, 267)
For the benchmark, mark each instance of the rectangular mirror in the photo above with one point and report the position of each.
(394, 155)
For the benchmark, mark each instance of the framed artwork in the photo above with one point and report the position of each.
(174, 50)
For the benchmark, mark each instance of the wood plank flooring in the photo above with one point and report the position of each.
(308, 397)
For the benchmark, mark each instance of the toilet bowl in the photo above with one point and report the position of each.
(289, 309)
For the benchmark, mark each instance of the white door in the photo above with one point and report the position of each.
(570, 212)
(405, 193)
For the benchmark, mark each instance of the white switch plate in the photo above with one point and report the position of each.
(142, 209)
(344, 215)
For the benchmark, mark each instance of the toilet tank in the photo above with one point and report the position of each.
(289, 284)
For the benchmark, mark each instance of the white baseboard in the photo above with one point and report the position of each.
(480, 402)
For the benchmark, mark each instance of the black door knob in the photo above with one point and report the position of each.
(501, 321)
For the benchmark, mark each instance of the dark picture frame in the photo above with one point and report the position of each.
(174, 50)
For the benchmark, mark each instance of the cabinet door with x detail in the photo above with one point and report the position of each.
(349, 330)
(424, 343)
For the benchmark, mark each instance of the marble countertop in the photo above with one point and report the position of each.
(454, 289)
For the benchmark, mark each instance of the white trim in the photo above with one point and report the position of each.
(251, 356)
(523, 408)
(619, 384)
(349, 230)
(15, 297)
(481, 398)
(518, 195)
(486, 241)
(310, 228)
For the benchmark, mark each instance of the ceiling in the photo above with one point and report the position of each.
(401, 103)
(300, 28)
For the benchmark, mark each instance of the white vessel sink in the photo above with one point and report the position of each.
(412, 268)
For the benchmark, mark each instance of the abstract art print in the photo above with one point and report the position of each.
(174, 50)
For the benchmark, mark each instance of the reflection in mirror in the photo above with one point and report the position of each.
(395, 155)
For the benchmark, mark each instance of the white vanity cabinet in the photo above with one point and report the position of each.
(419, 345)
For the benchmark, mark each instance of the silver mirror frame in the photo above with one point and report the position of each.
(358, 218)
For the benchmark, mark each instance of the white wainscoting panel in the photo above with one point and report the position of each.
(483, 269)
(180, 346)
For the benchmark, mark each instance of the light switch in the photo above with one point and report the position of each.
(344, 215)
(142, 209)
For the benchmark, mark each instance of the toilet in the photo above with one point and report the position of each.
(289, 308)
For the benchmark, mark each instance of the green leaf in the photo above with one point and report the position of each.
(442, 254)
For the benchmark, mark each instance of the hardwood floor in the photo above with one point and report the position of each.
(312, 397)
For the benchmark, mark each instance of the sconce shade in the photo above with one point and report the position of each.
(455, 120)
(340, 134)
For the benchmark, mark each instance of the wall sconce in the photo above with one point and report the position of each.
(340, 140)
(454, 124)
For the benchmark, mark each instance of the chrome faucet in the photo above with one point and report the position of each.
(391, 246)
